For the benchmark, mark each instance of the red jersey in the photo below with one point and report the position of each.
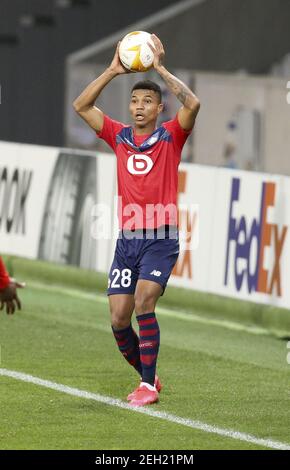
(4, 278)
(147, 172)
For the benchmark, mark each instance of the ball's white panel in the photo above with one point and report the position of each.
(134, 52)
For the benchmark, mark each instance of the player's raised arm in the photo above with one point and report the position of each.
(188, 112)
(84, 105)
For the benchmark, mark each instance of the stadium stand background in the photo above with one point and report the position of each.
(35, 38)
(237, 70)
(37, 35)
(248, 35)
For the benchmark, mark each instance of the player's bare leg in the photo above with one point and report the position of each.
(146, 296)
(122, 308)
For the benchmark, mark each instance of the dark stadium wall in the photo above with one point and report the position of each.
(37, 35)
(35, 38)
(225, 36)
(230, 35)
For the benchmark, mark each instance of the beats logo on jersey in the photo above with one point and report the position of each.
(139, 164)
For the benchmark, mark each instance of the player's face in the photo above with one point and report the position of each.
(144, 107)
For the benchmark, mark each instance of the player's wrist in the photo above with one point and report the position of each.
(4, 277)
(4, 283)
(160, 69)
(111, 72)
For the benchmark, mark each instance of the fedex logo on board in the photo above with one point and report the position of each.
(250, 242)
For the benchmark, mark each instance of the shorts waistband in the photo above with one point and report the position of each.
(162, 232)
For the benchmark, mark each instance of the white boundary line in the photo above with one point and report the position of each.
(198, 425)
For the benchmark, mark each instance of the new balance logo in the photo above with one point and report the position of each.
(156, 273)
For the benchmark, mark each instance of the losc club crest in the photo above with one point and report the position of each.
(139, 164)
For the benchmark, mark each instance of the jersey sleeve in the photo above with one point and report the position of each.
(4, 278)
(109, 131)
(179, 135)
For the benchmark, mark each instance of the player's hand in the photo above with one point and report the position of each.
(116, 65)
(9, 297)
(158, 51)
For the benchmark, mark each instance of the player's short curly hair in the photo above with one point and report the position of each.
(148, 85)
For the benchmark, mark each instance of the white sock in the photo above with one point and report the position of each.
(152, 388)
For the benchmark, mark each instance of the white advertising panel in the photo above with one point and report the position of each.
(25, 172)
(196, 217)
(244, 239)
(251, 243)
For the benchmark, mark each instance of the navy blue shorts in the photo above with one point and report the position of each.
(141, 255)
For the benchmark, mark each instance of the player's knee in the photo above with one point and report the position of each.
(119, 319)
(144, 303)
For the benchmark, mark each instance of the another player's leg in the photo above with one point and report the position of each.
(122, 308)
(146, 296)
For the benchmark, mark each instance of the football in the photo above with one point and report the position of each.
(134, 52)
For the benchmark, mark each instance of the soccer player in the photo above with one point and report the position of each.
(8, 291)
(148, 246)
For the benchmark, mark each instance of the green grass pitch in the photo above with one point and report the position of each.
(233, 379)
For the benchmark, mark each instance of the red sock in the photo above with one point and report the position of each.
(128, 343)
(149, 345)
